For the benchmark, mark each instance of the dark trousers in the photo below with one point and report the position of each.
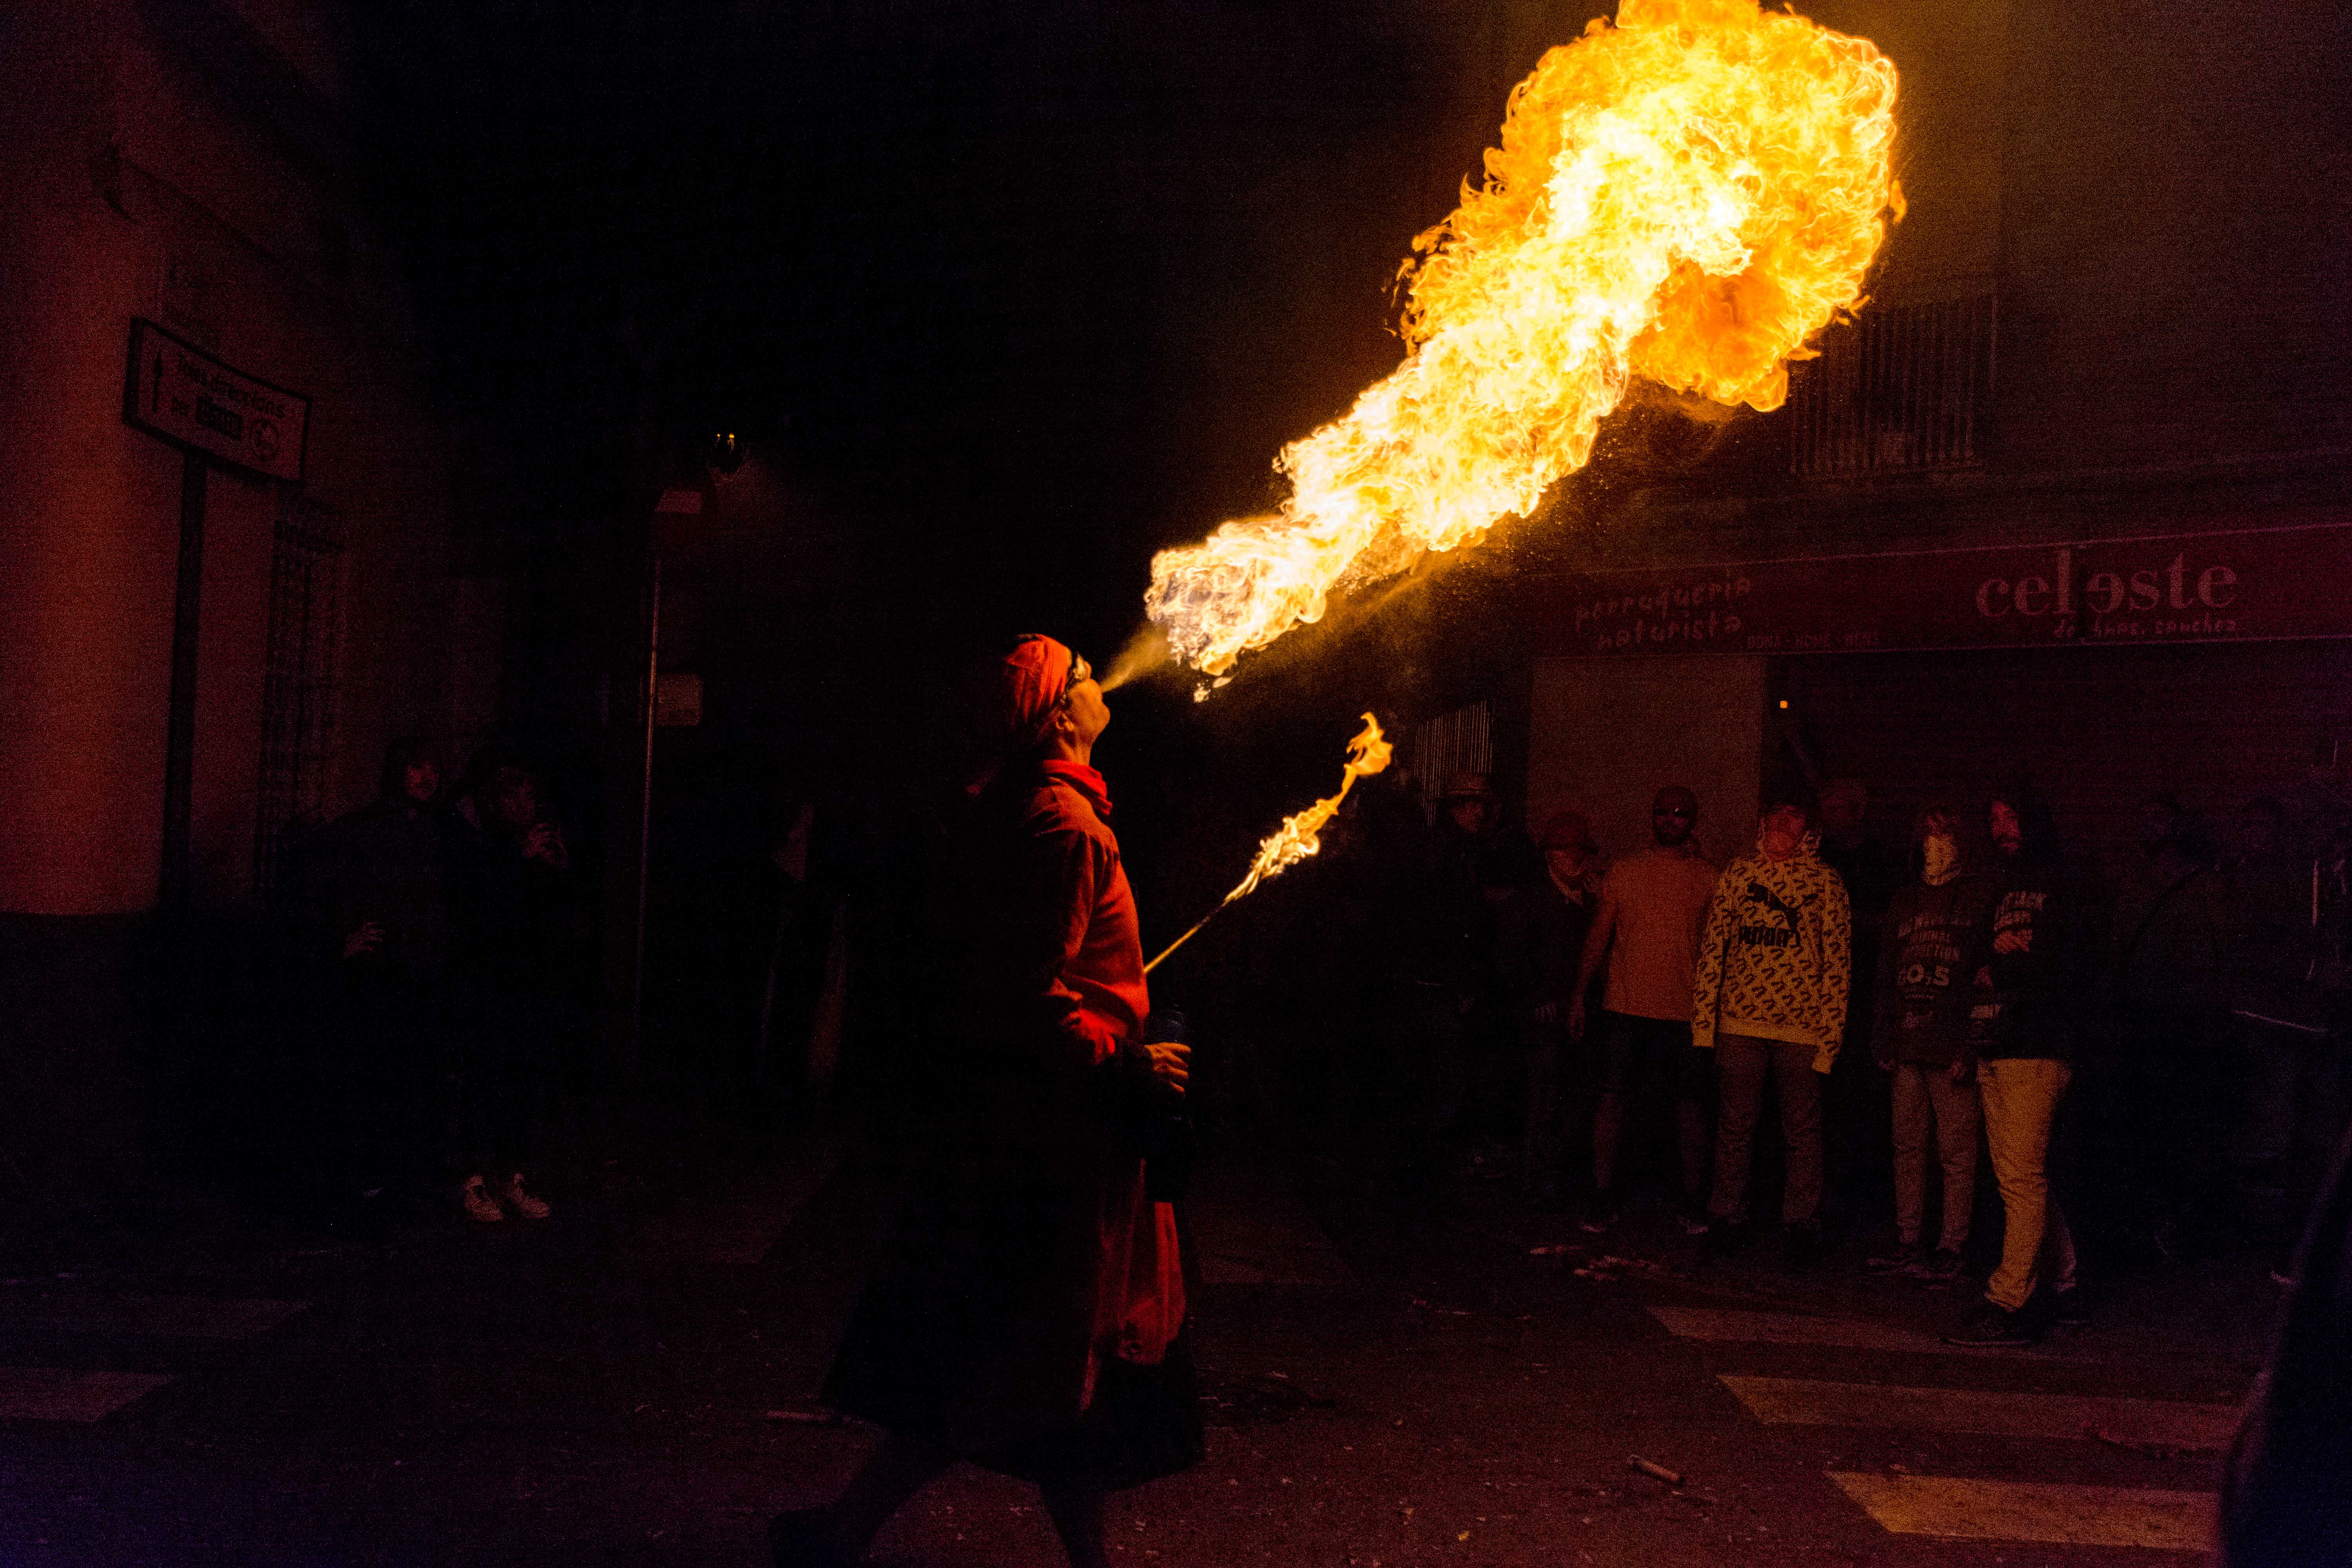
(374, 1115)
(1858, 1133)
(1550, 1105)
(2302, 1108)
(1741, 1064)
(495, 1085)
(2169, 1100)
(1436, 1075)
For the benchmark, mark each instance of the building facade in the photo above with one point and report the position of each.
(172, 707)
(2068, 499)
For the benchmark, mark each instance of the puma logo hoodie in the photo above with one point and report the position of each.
(1775, 959)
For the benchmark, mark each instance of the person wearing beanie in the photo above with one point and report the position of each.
(1773, 968)
(1920, 1034)
(1537, 963)
(1028, 1314)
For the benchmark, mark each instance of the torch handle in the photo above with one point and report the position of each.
(1181, 941)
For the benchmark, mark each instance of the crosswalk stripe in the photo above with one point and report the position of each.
(2023, 1510)
(1793, 1328)
(169, 1317)
(61, 1393)
(1796, 1402)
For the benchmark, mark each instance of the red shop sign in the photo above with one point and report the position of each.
(2251, 585)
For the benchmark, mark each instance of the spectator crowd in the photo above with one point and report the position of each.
(2152, 1057)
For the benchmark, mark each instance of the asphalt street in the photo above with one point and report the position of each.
(633, 1380)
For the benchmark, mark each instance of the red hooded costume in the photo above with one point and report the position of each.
(1025, 1313)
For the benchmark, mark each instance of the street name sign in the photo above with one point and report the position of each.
(178, 393)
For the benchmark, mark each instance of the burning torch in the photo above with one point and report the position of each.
(1296, 839)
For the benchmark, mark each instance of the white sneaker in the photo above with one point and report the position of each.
(479, 1205)
(522, 1202)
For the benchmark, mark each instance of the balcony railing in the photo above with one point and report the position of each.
(1902, 389)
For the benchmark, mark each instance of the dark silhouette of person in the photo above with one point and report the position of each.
(2174, 1080)
(376, 887)
(1538, 957)
(512, 981)
(1856, 1110)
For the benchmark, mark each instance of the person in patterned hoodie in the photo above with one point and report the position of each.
(1774, 966)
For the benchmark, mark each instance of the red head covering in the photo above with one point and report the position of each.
(1019, 695)
(1030, 683)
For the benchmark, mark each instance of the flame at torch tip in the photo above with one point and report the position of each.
(1297, 838)
(1686, 197)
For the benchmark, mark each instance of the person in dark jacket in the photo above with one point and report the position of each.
(1538, 959)
(1470, 867)
(1855, 1109)
(1919, 1036)
(2279, 1013)
(2022, 1025)
(375, 887)
(2174, 1080)
(513, 985)
(1028, 1314)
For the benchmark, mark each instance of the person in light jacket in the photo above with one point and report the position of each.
(1774, 964)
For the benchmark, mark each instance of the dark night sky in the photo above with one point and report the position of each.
(1022, 293)
(1003, 297)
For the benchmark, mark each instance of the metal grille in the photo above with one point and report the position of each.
(298, 689)
(1459, 742)
(1902, 389)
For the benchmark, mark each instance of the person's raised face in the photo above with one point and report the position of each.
(1673, 816)
(2008, 833)
(1470, 814)
(1085, 713)
(1567, 861)
(1782, 831)
(420, 781)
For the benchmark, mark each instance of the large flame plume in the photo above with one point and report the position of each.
(1688, 195)
(1297, 837)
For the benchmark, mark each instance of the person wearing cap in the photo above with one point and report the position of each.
(1537, 963)
(1027, 1316)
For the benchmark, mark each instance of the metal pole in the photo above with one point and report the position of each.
(646, 825)
(180, 732)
